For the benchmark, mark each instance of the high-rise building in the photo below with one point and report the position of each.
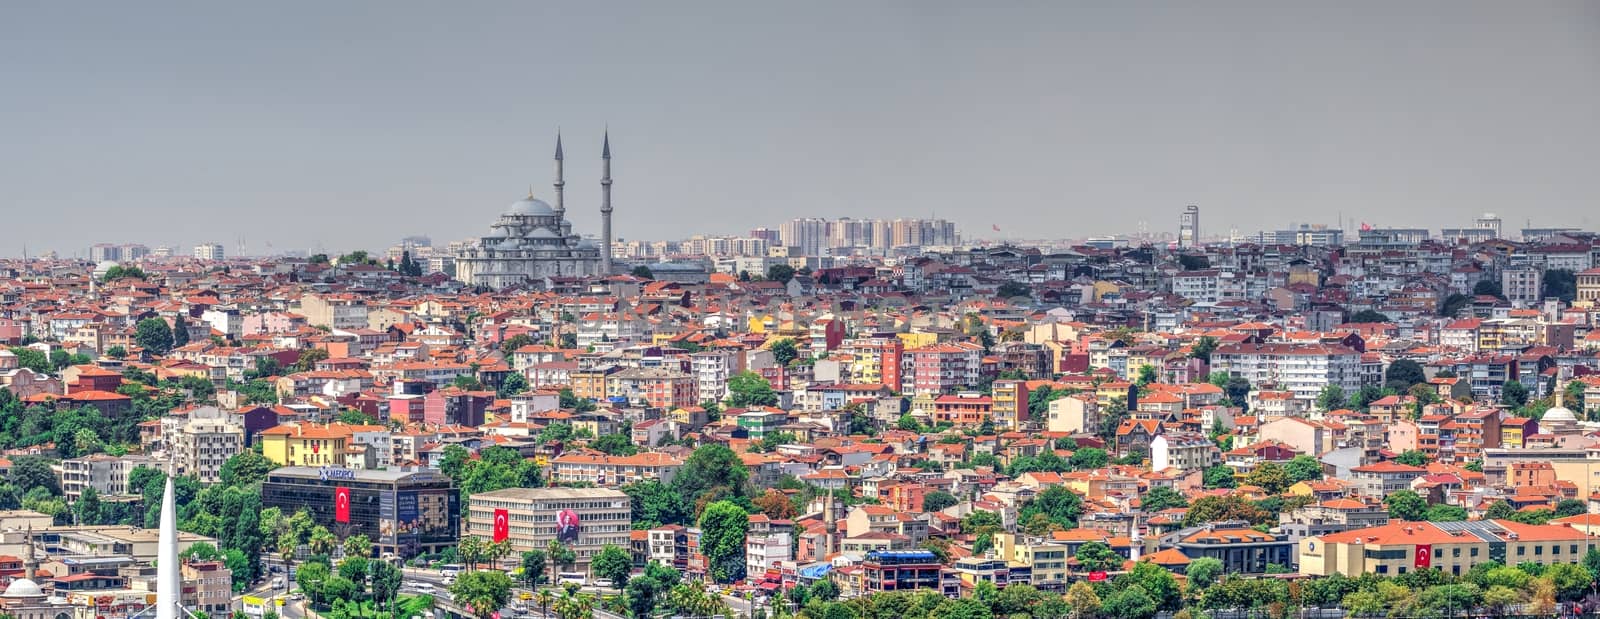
(808, 236)
(210, 252)
(1189, 227)
(102, 252)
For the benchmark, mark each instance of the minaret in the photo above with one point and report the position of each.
(31, 563)
(561, 186)
(605, 207)
(169, 581)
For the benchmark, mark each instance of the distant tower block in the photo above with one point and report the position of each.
(1189, 227)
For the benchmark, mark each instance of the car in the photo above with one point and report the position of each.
(603, 583)
(297, 596)
(277, 582)
(425, 587)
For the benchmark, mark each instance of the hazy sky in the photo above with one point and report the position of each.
(350, 124)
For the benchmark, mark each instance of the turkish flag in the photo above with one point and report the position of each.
(502, 525)
(1097, 576)
(1424, 556)
(341, 504)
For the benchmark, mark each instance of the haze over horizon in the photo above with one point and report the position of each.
(350, 125)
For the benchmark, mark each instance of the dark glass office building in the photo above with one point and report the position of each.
(405, 513)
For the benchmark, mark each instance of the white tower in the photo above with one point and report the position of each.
(605, 207)
(169, 580)
(560, 185)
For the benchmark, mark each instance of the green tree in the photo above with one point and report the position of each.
(780, 273)
(747, 389)
(825, 590)
(1204, 571)
(358, 546)
(1514, 394)
(1097, 557)
(1162, 497)
(938, 500)
(153, 335)
(485, 592)
(246, 468)
(1499, 510)
(723, 527)
(655, 504)
(643, 272)
(1368, 316)
(180, 331)
(1571, 507)
(709, 468)
(1445, 513)
(1132, 602)
(1412, 457)
(784, 351)
(1406, 505)
(1487, 288)
(1303, 468)
(1219, 476)
(533, 562)
(614, 444)
(1270, 476)
(1453, 304)
(1560, 284)
(612, 563)
(29, 472)
(1331, 398)
(514, 384)
(1227, 507)
(1403, 373)
(1203, 348)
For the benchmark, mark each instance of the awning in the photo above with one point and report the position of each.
(769, 586)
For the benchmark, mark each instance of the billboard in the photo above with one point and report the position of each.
(567, 525)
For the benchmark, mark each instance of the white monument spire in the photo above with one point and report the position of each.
(169, 581)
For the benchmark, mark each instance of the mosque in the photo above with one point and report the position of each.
(533, 240)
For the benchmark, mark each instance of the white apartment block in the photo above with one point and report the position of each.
(1304, 369)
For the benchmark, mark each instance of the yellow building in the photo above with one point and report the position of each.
(1047, 560)
(1451, 547)
(918, 340)
(305, 444)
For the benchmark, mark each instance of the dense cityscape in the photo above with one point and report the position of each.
(755, 310)
(825, 419)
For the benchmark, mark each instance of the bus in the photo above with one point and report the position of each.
(450, 571)
(577, 578)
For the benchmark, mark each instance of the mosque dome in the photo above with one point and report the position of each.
(530, 207)
(1559, 415)
(22, 588)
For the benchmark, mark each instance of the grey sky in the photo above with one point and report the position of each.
(351, 124)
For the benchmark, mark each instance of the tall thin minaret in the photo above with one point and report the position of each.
(605, 206)
(561, 185)
(169, 581)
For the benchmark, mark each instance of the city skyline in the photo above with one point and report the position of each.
(1072, 120)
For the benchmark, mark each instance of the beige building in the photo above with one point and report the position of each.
(1451, 547)
(108, 475)
(603, 517)
(1075, 413)
(201, 442)
(336, 311)
(1047, 560)
(1306, 436)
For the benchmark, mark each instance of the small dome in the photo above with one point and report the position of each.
(543, 233)
(530, 207)
(1559, 414)
(22, 588)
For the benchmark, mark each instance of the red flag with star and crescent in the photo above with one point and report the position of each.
(1424, 556)
(502, 525)
(341, 504)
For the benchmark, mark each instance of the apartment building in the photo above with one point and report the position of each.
(1452, 547)
(1304, 369)
(585, 520)
(108, 475)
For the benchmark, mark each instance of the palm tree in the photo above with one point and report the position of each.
(544, 598)
(471, 550)
(322, 541)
